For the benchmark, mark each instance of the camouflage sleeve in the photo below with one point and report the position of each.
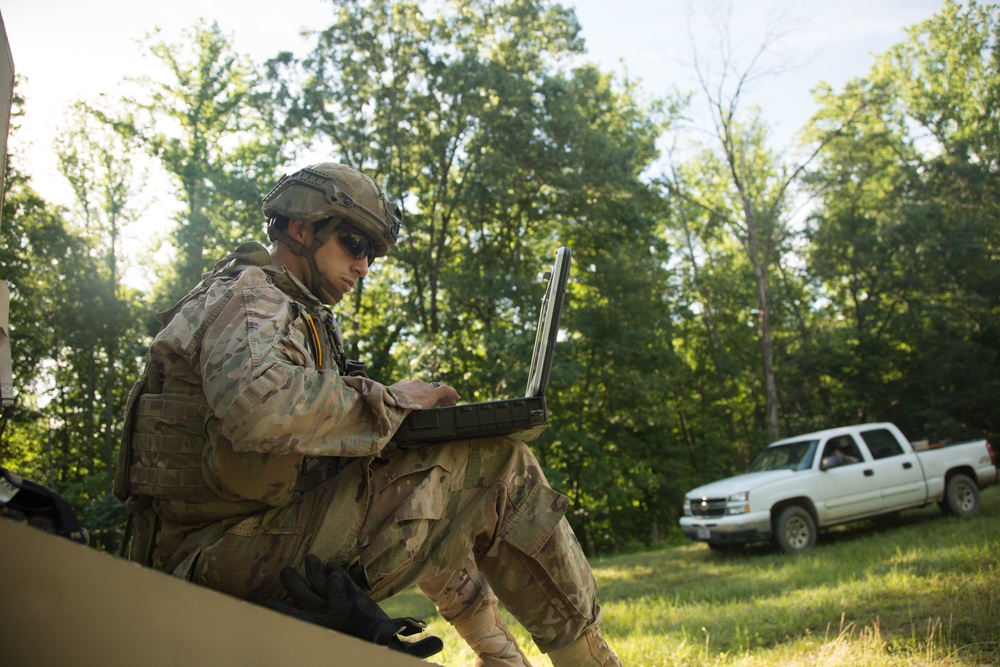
(261, 380)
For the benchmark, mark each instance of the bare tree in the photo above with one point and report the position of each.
(757, 202)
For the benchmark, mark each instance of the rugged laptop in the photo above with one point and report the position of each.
(524, 417)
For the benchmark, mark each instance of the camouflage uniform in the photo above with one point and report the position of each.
(245, 448)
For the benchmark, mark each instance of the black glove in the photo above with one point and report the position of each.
(328, 596)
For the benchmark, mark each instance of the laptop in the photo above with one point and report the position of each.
(524, 417)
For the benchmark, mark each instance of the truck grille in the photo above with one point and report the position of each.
(708, 507)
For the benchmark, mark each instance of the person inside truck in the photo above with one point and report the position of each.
(839, 452)
(251, 443)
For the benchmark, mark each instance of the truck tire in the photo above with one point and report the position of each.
(961, 496)
(794, 530)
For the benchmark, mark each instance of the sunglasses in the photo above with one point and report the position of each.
(357, 244)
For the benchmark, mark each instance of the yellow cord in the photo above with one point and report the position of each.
(319, 348)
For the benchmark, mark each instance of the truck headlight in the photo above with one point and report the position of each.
(738, 503)
(687, 507)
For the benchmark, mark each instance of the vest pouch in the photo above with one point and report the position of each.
(120, 487)
(268, 478)
(168, 441)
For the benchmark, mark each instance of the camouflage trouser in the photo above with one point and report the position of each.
(449, 517)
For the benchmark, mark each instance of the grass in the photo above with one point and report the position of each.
(924, 590)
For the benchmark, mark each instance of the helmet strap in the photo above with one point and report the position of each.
(319, 283)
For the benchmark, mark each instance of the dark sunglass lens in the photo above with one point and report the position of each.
(353, 244)
(358, 246)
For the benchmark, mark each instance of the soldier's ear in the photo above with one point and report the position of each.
(300, 230)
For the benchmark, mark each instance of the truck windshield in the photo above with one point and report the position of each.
(789, 456)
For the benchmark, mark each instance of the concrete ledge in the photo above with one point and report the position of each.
(67, 604)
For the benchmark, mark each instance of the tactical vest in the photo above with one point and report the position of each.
(173, 463)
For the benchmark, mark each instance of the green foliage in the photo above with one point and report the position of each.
(76, 337)
(906, 242)
(212, 129)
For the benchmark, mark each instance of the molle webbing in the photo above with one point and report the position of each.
(193, 474)
(167, 446)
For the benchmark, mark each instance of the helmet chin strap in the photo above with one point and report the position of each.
(319, 284)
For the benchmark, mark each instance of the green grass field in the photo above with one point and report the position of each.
(922, 589)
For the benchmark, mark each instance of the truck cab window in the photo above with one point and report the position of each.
(840, 451)
(787, 456)
(882, 443)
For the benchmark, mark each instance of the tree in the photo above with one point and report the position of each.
(717, 402)
(753, 190)
(213, 132)
(98, 157)
(756, 201)
(64, 326)
(907, 235)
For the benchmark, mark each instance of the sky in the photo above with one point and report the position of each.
(74, 49)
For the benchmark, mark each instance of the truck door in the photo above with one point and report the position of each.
(900, 477)
(847, 485)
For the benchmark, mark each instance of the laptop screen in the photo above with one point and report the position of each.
(548, 325)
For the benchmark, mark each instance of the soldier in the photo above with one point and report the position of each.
(250, 442)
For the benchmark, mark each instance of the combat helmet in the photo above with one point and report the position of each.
(334, 192)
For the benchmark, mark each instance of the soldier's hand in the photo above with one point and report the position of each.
(429, 394)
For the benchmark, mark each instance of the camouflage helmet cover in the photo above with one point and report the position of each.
(332, 190)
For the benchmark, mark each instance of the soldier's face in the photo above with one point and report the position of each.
(337, 262)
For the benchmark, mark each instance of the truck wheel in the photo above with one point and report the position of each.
(961, 496)
(794, 530)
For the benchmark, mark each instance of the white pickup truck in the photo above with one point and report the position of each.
(798, 485)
